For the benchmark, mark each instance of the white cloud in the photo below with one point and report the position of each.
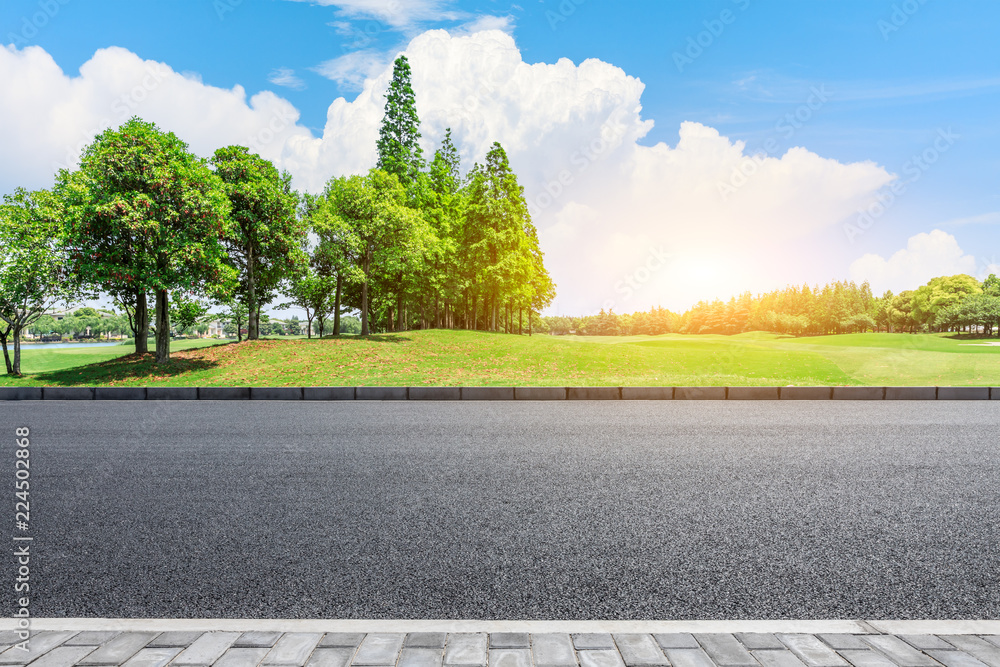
(483, 23)
(925, 256)
(284, 76)
(991, 218)
(351, 70)
(396, 13)
(604, 204)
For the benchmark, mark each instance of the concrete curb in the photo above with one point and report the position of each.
(499, 393)
(929, 627)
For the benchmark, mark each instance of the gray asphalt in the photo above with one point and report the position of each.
(571, 510)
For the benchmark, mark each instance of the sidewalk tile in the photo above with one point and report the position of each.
(927, 642)
(685, 657)
(725, 650)
(175, 638)
(776, 658)
(380, 648)
(63, 656)
(676, 640)
(119, 649)
(994, 639)
(294, 649)
(9, 637)
(977, 647)
(842, 642)
(206, 649)
(242, 657)
(509, 657)
(342, 639)
(553, 650)
(466, 648)
(601, 658)
(40, 644)
(426, 640)
(899, 651)
(640, 650)
(257, 640)
(153, 657)
(509, 640)
(955, 659)
(331, 657)
(593, 640)
(811, 650)
(90, 638)
(866, 657)
(759, 640)
(421, 657)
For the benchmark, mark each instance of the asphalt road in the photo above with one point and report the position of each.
(571, 510)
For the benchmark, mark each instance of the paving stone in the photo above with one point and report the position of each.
(342, 639)
(421, 657)
(993, 639)
(328, 393)
(926, 642)
(90, 638)
(20, 393)
(963, 393)
(759, 640)
(8, 637)
(380, 648)
(153, 657)
(593, 393)
(866, 658)
(120, 393)
(752, 394)
(206, 649)
(223, 393)
(639, 650)
(676, 640)
(172, 393)
(841, 642)
(257, 640)
(380, 393)
(119, 649)
(487, 393)
(811, 650)
(806, 393)
(68, 393)
(977, 647)
(435, 393)
(858, 393)
(955, 659)
(63, 656)
(540, 393)
(40, 644)
(293, 649)
(647, 393)
(553, 650)
(509, 657)
(426, 640)
(242, 657)
(331, 657)
(601, 658)
(509, 640)
(699, 393)
(898, 651)
(275, 393)
(466, 648)
(174, 638)
(725, 650)
(776, 658)
(686, 657)
(593, 641)
(910, 393)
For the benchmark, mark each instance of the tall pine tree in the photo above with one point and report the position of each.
(399, 149)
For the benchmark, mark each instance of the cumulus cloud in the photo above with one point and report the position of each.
(621, 223)
(351, 70)
(925, 256)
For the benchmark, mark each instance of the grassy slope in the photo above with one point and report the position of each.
(475, 358)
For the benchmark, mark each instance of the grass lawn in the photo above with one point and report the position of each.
(479, 359)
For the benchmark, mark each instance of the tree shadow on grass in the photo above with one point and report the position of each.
(373, 338)
(123, 370)
(968, 336)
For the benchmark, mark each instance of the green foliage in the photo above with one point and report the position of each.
(186, 312)
(399, 151)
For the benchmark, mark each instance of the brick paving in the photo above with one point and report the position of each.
(499, 649)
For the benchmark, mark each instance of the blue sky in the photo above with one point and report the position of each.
(872, 81)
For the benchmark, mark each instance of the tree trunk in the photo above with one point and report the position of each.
(390, 324)
(364, 295)
(16, 366)
(309, 327)
(520, 321)
(253, 330)
(400, 323)
(529, 322)
(6, 354)
(162, 327)
(141, 323)
(336, 306)
(475, 313)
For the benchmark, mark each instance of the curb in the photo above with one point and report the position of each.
(326, 394)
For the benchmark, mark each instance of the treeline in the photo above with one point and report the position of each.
(947, 303)
(169, 235)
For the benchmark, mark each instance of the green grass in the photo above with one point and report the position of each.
(477, 359)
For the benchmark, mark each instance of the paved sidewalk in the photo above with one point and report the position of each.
(870, 644)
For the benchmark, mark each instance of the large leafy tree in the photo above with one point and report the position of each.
(399, 151)
(32, 263)
(144, 214)
(265, 238)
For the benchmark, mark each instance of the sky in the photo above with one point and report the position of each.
(670, 151)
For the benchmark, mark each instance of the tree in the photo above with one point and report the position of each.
(234, 317)
(314, 294)
(145, 214)
(399, 151)
(186, 312)
(32, 263)
(265, 236)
